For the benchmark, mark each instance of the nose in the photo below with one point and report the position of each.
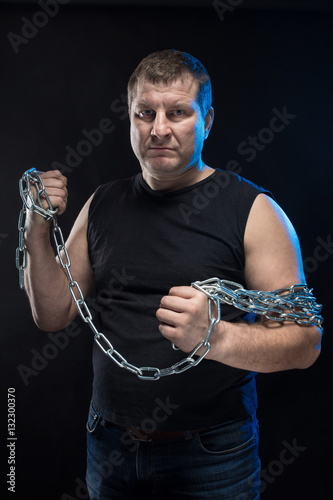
(161, 127)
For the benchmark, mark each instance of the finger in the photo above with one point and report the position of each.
(186, 292)
(56, 196)
(54, 174)
(57, 202)
(56, 190)
(189, 298)
(54, 180)
(168, 331)
(168, 317)
(177, 304)
(51, 181)
(55, 187)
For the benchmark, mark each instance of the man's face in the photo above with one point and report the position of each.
(167, 128)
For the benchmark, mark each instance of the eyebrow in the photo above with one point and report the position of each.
(176, 104)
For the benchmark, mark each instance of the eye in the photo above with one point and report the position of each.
(178, 112)
(146, 113)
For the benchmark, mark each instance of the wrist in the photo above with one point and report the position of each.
(37, 232)
(217, 341)
(36, 225)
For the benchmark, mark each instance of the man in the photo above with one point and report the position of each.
(140, 243)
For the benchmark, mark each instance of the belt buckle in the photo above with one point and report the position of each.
(139, 436)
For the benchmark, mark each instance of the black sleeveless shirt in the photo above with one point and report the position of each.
(142, 243)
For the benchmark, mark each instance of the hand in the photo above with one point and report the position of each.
(56, 187)
(184, 317)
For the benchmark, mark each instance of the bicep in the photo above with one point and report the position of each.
(77, 247)
(272, 252)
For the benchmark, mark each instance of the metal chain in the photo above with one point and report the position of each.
(288, 304)
(295, 303)
(31, 180)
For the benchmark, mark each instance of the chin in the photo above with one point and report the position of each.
(163, 168)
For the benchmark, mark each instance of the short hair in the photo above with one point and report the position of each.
(167, 66)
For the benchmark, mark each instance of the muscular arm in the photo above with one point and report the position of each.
(273, 261)
(46, 282)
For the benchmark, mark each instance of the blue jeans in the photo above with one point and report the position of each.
(220, 463)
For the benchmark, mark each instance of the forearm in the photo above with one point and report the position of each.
(265, 347)
(46, 283)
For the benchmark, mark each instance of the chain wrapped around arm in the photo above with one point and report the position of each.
(295, 304)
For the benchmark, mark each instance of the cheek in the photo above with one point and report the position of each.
(200, 131)
(195, 135)
(188, 135)
(136, 137)
(196, 139)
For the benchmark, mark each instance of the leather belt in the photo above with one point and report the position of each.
(141, 435)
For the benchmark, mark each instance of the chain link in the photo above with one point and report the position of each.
(295, 304)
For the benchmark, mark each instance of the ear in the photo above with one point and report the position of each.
(209, 118)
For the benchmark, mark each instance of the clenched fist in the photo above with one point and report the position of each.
(184, 317)
(56, 188)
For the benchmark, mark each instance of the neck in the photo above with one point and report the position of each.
(187, 178)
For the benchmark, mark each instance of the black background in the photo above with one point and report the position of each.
(260, 55)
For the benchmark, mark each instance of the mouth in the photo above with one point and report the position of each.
(161, 148)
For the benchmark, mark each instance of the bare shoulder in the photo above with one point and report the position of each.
(77, 246)
(272, 251)
(81, 222)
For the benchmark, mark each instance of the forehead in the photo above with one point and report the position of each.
(180, 90)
